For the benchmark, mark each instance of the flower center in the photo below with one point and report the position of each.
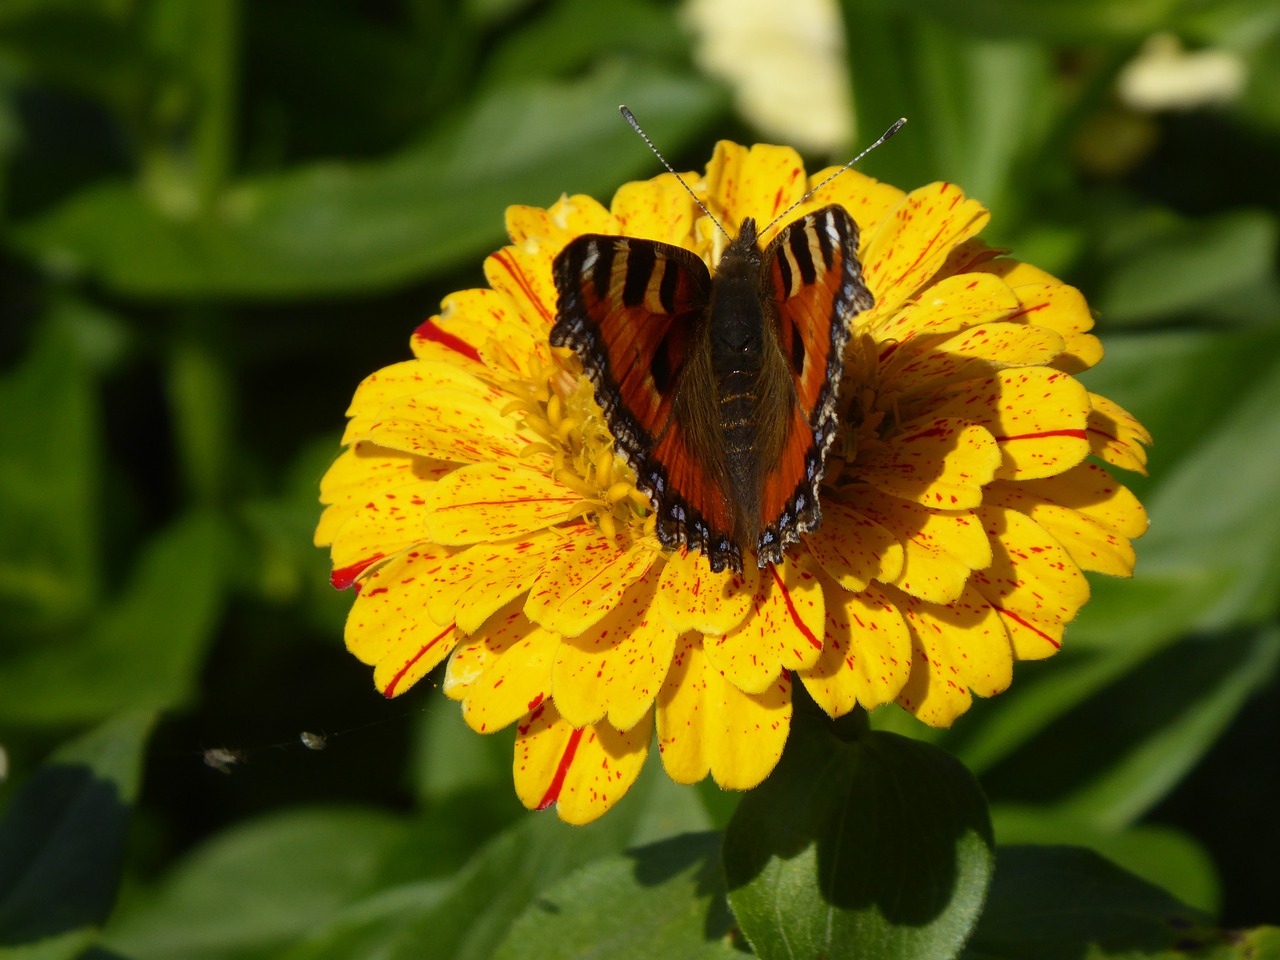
(559, 405)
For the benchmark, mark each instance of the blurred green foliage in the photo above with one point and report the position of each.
(219, 216)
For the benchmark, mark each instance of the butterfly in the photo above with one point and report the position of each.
(719, 388)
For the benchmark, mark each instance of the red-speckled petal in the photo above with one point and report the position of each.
(515, 680)
(449, 424)
(694, 598)
(956, 648)
(941, 548)
(614, 668)
(582, 771)
(853, 549)
(1037, 415)
(585, 581)
(706, 723)
(1032, 581)
(489, 501)
(937, 462)
(866, 652)
(783, 631)
(950, 305)
(913, 241)
(1116, 436)
(390, 627)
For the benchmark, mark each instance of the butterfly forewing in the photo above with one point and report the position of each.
(629, 309)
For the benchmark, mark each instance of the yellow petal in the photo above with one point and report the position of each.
(1116, 436)
(450, 424)
(1091, 544)
(389, 625)
(1090, 490)
(694, 598)
(948, 306)
(474, 654)
(390, 393)
(1037, 415)
(760, 182)
(615, 667)
(866, 652)
(389, 523)
(658, 209)
(977, 351)
(913, 241)
(512, 576)
(520, 273)
(515, 680)
(1032, 580)
(782, 632)
(583, 771)
(868, 200)
(491, 501)
(584, 581)
(1062, 308)
(941, 547)
(452, 339)
(853, 549)
(936, 462)
(374, 498)
(494, 330)
(706, 723)
(956, 648)
(487, 576)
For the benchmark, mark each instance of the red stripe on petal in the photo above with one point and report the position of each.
(1017, 619)
(390, 689)
(522, 282)
(429, 331)
(343, 577)
(562, 771)
(793, 612)
(1074, 434)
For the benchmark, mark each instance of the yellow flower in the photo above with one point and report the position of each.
(482, 513)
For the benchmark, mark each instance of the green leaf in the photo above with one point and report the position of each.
(49, 476)
(1202, 685)
(875, 846)
(1060, 903)
(144, 650)
(1160, 855)
(978, 108)
(1219, 545)
(664, 900)
(260, 886)
(338, 227)
(1171, 267)
(1048, 20)
(468, 917)
(62, 839)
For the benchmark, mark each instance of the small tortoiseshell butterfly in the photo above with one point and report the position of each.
(720, 390)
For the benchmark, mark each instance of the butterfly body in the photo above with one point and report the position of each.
(719, 390)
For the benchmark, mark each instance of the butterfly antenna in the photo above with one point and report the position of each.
(635, 125)
(897, 125)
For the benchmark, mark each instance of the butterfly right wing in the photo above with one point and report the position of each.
(634, 311)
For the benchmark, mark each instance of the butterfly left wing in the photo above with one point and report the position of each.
(635, 312)
(812, 272)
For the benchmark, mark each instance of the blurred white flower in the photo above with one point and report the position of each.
(785, 62)
(1164, 76)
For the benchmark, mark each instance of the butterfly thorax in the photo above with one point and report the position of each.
(753, 388)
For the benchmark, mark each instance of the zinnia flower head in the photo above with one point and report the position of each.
(483, 515)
